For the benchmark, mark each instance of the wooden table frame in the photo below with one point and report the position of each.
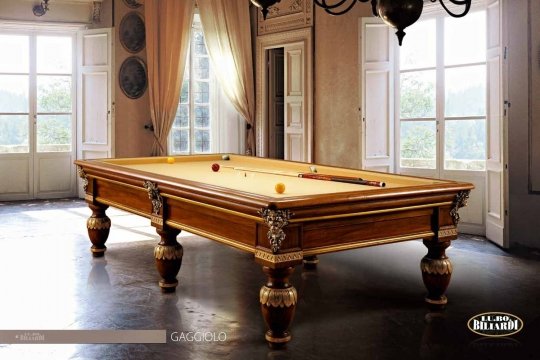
(281, 233)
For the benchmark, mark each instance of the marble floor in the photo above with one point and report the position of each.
(360, 304)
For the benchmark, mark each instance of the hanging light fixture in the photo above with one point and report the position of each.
(396, 13)
(264, 5)
(41, 9)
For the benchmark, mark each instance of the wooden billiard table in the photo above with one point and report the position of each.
(238, 206)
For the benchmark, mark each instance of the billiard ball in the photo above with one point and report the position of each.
(225, 157)
(280, 188)
(215, 167)
(170, 160)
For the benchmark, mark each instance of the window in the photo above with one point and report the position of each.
(53, 79)
(14, 95)
(443, 94)
(192, 128)
(39, 85)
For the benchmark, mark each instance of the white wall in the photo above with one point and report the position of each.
(524, 207)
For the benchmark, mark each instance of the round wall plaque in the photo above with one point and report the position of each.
(132, 77)
(132, 32)
(132, 3)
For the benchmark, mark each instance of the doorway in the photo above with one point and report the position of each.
(276, 98)
(37, 126)
(296, 47)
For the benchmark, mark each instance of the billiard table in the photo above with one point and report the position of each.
(236, 204)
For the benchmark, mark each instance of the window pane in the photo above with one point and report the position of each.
(201, 68)
(54, 55)
(417, 94)
(198, 46)
(184, 95)
(191, 131)
(53, 133)
(202, 141)
(13, 93)
(202, 117)
(53, 93)
(182, 116)
(418, 51)
(418, 144)
(15, 60)
(465, 39)
(201, 92)
(14, 134)
(465, 145)
(465, 91)
(180, 141)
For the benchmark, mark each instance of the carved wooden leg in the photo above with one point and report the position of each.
(436, 272)
(168, 254)
(278, 302)
(98, 226)
(310, 262)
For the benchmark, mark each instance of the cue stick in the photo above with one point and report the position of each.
(314, 176)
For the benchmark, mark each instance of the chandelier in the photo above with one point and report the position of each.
(397, 13)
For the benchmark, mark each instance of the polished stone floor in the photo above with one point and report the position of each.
(359, 304)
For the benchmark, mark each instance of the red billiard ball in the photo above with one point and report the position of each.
(215, 167)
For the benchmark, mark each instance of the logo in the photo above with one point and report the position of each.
(495, 324)
(198, 336)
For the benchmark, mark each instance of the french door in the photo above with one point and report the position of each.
(442, 106)
(37, 87)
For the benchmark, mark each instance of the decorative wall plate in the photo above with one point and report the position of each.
(132, 32)
(134, 4)
(132, 77)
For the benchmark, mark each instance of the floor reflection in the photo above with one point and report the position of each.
(365, 303)
(98, 278)
(436, 336)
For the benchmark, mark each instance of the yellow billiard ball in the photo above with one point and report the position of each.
(170, 160)
(280, 188)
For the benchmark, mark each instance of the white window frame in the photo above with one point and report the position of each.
(33, 34)
(212, 105)
(440, 118)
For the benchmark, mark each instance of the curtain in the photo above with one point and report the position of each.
(226, 26)
(168, 27)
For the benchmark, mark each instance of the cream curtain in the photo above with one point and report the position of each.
(168, 27)
(226, 26)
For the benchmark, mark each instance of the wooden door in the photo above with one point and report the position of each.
(496, 173)
(377, 110)
(295, 121)
(276, 79)
(95, 113)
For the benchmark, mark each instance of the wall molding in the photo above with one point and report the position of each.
(286, 15)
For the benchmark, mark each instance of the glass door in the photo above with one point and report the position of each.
(442, 105)
(36, 122)
(14, 94)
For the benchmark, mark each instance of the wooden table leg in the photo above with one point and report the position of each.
(98, 225)
(436, 272)
(168, 254)
(278, 302)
